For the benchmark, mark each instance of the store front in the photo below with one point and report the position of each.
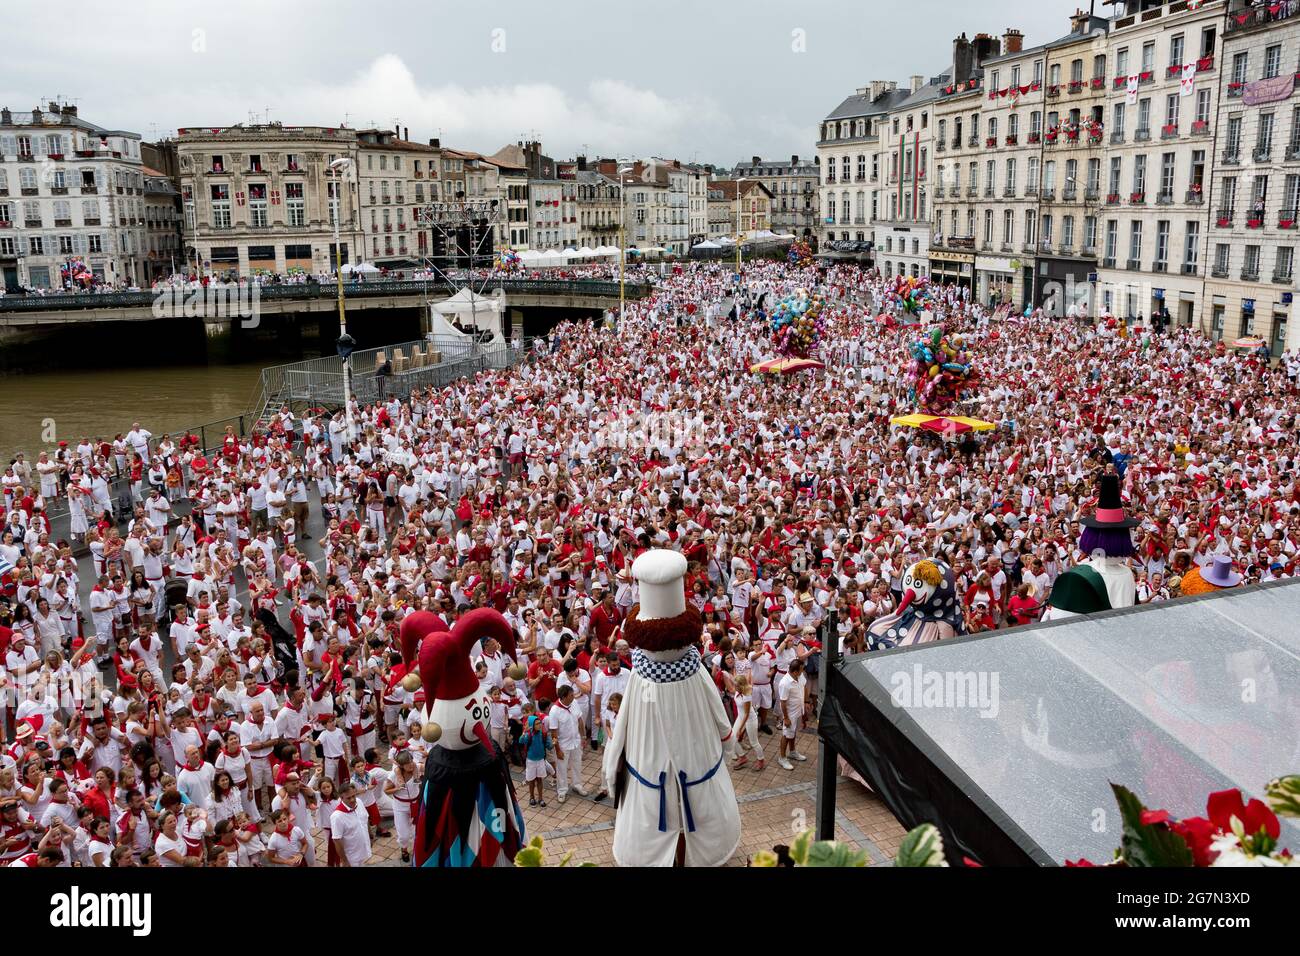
(952, 268)
(997, 279)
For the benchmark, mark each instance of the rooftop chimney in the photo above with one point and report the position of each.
(434, 142)
(6, 117)
(69, 111)
(54, 107)
(1013, 41)
(877, 88)
(756, 161)
(794, 160)
(36, 115)
(963, 59)
(406, 133)
(1079, 22)
(985, 47)
(917, 82)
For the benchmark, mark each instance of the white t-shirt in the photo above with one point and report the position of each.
(352, 828)
(164, 844)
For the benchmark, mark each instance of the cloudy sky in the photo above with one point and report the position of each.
(709, 82)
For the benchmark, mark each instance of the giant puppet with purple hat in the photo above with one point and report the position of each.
(1107, 539)
(665, 763)
(467, 813)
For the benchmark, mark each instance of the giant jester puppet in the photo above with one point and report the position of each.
(930, 609)
(467, 814)
(1107, 538)
(666, 763)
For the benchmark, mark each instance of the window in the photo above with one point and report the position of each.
(218, 164)
(27, 178)
(1203, 107)
(1191, 245)
(254, 163)
(1015, 75)
(1090, 232)
(1291, 194)
(1140, 174)
(1112, 240)
(36, 245)
(1196, 179)
(220, 206)
(1008, 227)
(1121, 62)
(257, 213)
(1162, 245)
(1272, 60)
(1117, 121)
(295, 204)
(1144, 116)
(1221, 253)
(1094, 174)
(1176, 51)
(1038, 71)
(1207, 41)
(1067, 232)
(988, 227)
(1116, 164)
(1264, 145)
(1232, 140)
(1035, 122)
(1239, 65)
(1032, 184)
(1285, 263)
(1099, 66)
(1054, 75)
(862, 168)
(993, 127)
(1171, 110)
(1167, 175)
(1148, 56)
(1076, 71)
(1013, 125)
(1135, 242)
(1011, 175)
(1251, 267)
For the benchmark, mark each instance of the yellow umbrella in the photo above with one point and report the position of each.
(912, 421)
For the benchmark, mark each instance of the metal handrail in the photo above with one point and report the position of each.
(62, 301)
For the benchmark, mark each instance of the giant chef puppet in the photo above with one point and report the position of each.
(467, 815)
(665, 763)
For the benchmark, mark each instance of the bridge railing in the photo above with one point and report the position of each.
(71, 301)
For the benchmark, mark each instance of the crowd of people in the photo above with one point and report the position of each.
(228, 689)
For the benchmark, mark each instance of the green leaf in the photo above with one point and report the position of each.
(764, 858)
(564, 860)
(529, 856)
(834, 853)
(1283, 795)
(799, 848)
(923, 846)
(1151, 844)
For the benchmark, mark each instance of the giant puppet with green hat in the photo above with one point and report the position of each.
(1105, 580)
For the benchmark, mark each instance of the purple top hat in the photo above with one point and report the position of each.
(1220, 573)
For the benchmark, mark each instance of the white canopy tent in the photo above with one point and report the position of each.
(473, 310)
(706, 244)
(366, 268)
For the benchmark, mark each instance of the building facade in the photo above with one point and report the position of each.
(397, 178)
(1254, 202)
(1162, 125)
(848, 154)
(261, 199)
(597, 214)
(793, 186)
(547, 215)
(70, 192)
(164, 246)
(900, 196)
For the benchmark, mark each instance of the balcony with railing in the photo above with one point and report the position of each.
(1116, 137)
(1189, 268)
(1261, 153)
(1069, 194)
(1223, 217)
(1247, 16)
(1137, 198)
(1142, 134)
(1249, 274)
(1195, 196)
(1165, 197)
(1286, 218)
(1255, 219)
(1219, 270)
(1009, 192)
(1133, 265)
(1201, 128)
(1169, 131)
(1283, 275)
(1108, 262)
(1159, 266)
(1231, 156)
(1092, 193)
(1112, 199)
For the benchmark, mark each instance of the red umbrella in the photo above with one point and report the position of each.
(946, 426)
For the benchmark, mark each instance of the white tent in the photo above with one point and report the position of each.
(439, 327)
(472, 309)
(368, 268)
(607, 250)
(551, 258)
(570, 251)
(706, 244)
(586, 252)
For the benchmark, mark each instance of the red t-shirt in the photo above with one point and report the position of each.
(546, 686)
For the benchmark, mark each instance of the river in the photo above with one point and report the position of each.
(40, 409)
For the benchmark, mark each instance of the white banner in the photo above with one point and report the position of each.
(1131, 91)
(1188, 80)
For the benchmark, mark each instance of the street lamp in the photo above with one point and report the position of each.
(622, 238)
(346, 344)
(740, 206)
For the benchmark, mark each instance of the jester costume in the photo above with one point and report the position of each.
(467, 814)
(928, 612)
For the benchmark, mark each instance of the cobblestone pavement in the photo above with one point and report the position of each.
(775, 804)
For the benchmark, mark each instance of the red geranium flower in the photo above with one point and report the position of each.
(1197, 833)
(1223, 805)
(1079, 862)
(1152, 817)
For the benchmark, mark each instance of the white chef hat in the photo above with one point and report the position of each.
(659, 574)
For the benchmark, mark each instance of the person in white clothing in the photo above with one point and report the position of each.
(793, 707)
(349, 829)
(403, 787)
(562, 721)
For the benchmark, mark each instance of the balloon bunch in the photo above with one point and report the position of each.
(913, 294)
(797, 323)
(800, 254)
(507, 261)
(941, 371)
(75, 270)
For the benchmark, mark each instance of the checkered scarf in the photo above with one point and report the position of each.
(666, 672)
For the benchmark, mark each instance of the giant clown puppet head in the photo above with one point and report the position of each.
(455, 713)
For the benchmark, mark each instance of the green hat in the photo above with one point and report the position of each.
(1080, 590)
